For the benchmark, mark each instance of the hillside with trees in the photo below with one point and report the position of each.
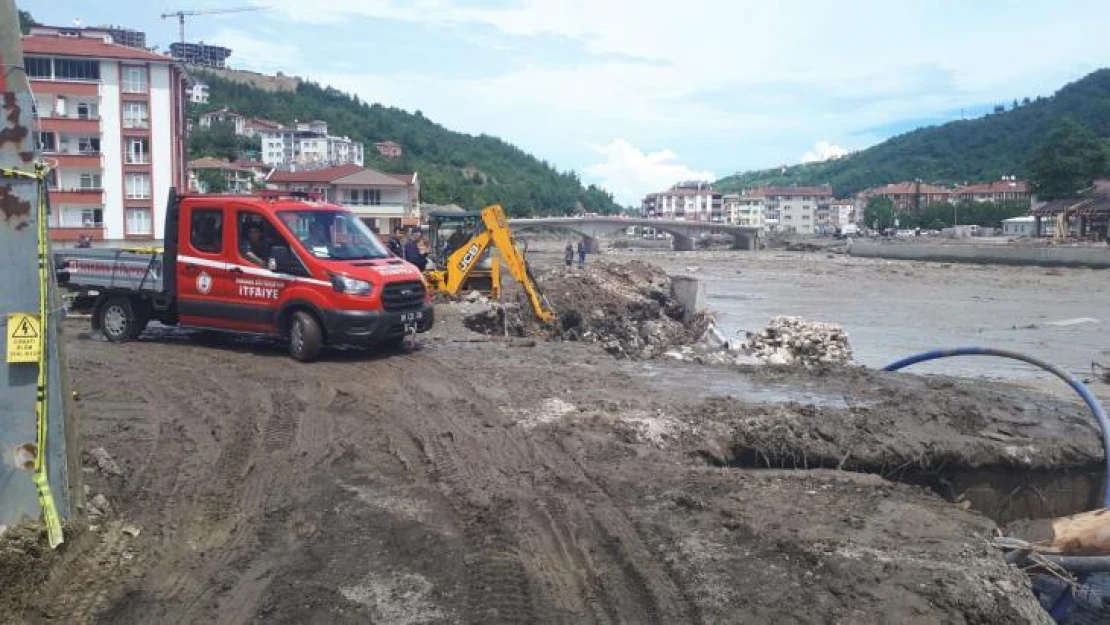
(1006, 142)
(471, 171)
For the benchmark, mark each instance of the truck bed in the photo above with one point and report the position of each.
(109, 269)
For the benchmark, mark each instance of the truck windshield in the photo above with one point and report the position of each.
(334, 235)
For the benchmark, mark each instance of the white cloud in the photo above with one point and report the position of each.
(823, 151)
(256, 53)
(629, 173)
(681, 74)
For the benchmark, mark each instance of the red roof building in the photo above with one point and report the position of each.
(383, 201)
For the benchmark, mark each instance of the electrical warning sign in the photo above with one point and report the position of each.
(24, 338)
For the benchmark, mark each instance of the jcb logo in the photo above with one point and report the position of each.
(471, 254)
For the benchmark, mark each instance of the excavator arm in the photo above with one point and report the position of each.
(498, 229)
(463, 260)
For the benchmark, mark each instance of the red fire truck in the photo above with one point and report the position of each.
(285, 266)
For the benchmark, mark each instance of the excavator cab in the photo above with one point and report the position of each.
(447, 232)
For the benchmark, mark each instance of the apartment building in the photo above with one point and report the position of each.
(907, 196)
(224, 116)
(198, 93)
(112, 121)
(200, 54)
(794, 209)
(686, 201)
(382, 201)
(745, 209)
(308, 145)
(389, 149)
(1008, 189)
(236, 178)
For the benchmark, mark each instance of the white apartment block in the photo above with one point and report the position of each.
(198, 93)
(687, 201)
(794, 209)
(745, 210)
(112, 123)
(308, 145)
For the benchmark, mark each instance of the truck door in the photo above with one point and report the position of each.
(256, 289)
(204, 285)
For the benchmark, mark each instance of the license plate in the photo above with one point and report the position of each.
(412, 316)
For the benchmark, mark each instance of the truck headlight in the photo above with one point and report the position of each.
(343, 284)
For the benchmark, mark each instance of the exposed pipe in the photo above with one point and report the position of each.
(1080, 388)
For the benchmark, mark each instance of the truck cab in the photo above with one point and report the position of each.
(308, 271)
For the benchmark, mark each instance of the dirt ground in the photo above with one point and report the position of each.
(485, 481)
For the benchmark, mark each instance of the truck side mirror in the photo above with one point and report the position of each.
(281, 260)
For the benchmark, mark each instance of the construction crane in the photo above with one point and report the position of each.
(180, 15)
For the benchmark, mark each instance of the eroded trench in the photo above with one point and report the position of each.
(1002, 493)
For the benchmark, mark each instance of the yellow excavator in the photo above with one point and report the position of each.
(459, 260)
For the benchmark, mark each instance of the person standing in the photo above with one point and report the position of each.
(581, 254)
(397, 244)
(568, 254)
(416, 251)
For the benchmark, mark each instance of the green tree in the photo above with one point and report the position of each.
(879, 213)
(212, 180)
(26, 22)
(1069, 160)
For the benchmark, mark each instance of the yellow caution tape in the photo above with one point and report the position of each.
(42, 406)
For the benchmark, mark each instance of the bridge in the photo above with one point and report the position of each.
(683, 232)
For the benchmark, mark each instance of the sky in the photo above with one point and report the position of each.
(636, 95)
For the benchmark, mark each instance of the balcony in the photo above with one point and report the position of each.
(385, 209)
(84, 159)
(70, 124)
(61, 235)
(77, 196)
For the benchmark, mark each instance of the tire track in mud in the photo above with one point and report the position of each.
(536, 553)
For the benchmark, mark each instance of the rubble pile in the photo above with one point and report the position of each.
(627, 307)
(793, 340)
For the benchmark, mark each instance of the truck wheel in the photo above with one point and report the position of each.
(118, 321)
(305, 337)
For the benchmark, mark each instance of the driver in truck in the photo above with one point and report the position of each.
(255, 247)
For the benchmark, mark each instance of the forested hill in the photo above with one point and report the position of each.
(471, 171)
(968, 150)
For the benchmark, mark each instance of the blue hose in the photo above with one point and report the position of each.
(1075, 384)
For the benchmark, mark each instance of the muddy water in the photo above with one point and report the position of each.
(893, 309)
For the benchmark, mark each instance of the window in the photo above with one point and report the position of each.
(138, 186)
(48, 142)
(38, 67)
(88, 145)
(138, 151)
(364, 197)
(86, 110)
(139, 221)
(207, 227)
(76, 69)
(90, 180)
(134, 80)
(135, 115)
(81, 217)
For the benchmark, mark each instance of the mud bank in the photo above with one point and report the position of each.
(480, 481)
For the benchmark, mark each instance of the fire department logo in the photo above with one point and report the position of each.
(204, 283)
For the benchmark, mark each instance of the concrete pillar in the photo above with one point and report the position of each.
(683, 243)
(690, 292)
(743, 242)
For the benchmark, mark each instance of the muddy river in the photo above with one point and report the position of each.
(893, 309)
